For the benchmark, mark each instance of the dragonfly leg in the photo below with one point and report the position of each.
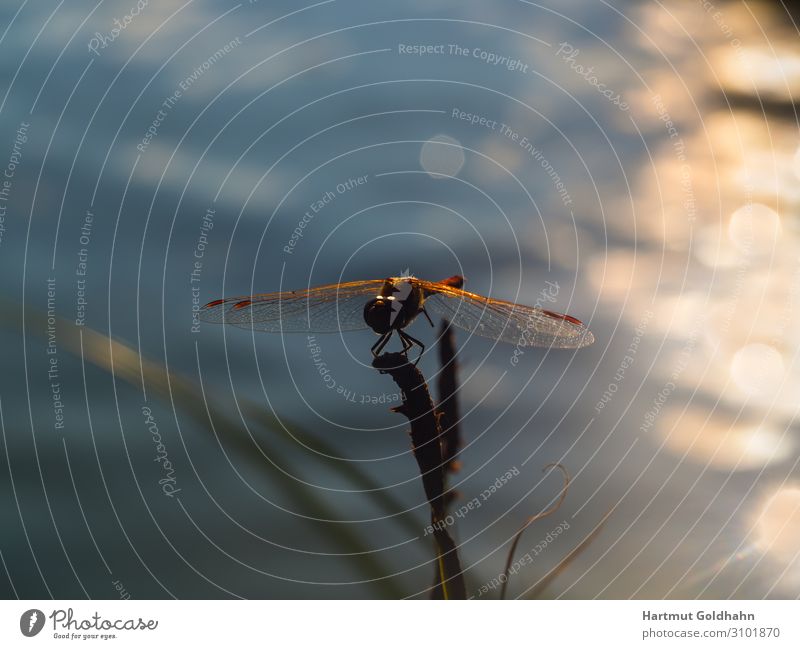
(409, 342)
(377, 348)
(427, 316)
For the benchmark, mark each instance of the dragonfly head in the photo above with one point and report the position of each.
(378, 314)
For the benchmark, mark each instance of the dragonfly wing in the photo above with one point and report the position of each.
(324, 309)
(521, 325)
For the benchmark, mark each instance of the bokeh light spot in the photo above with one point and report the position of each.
(441, 156)
(796, 163)
(757, 369)
(778, 524)
(754, 229)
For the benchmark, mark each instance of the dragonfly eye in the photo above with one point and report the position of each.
(378, 314)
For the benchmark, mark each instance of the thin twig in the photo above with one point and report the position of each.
(418, 407)
(533, 519)
(545, 581)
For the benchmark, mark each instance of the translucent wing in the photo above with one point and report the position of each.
(324, 309)
(526, 326)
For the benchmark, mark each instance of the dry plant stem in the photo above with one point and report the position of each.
(531, 520)
(448, 399)
(449, 418)
(545, 581)
(426, 443)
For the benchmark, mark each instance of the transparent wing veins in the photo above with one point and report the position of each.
(323, 309)
(509, 322)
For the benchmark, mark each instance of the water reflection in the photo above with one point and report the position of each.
(777, 525)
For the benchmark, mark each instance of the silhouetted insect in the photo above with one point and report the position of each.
(390, 305)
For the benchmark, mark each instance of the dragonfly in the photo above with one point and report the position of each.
(388, 306)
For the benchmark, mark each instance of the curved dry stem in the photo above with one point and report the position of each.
(533, 519)
(545, 581)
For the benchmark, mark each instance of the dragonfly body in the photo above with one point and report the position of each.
(395, 307)
(392, 304)
(399, 302)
